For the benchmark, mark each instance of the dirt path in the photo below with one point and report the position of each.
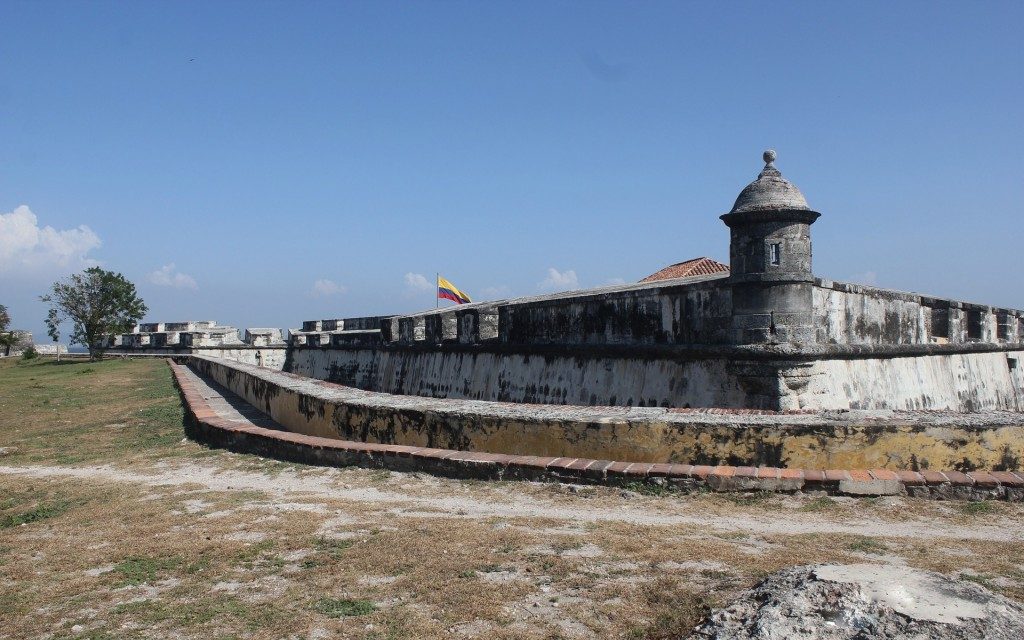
(328, 484)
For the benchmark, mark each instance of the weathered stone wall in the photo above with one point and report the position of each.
(976, 381)
(541, 378)
(670, 343)
(671, 312)
(694, 313)
(269, 357)
(846, 440)
(850, 314)
(959, 382)
(273, 357)
(528, 350)
(666, 344)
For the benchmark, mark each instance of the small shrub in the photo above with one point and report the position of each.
(335, 608)
(977, 508)
(29, 354)
(868, 545)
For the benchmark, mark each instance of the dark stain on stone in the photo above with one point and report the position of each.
(1007, 460)
(965, 465)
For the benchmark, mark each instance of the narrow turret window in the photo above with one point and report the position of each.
(774, 253)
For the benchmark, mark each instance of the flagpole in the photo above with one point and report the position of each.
(437, 287)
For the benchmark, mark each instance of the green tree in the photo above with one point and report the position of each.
(7, 337)
(53, 328)
(97, 303)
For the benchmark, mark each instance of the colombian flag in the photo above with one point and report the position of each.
(448, 291)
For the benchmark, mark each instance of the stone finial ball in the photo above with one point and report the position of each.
(769, 156)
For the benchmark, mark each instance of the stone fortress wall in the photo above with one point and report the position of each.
(815, 440)
(264, 347)
(767, 334)
(666, 344)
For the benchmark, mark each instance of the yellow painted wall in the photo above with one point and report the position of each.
(818, 446)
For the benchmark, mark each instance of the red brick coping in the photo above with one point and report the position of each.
(205, 425)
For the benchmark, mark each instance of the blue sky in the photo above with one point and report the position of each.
(264, 163)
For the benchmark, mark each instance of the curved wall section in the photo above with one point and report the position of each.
(839, 440)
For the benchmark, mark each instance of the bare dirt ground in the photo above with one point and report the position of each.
(113, 526)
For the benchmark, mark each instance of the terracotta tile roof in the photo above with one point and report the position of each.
(695, 267)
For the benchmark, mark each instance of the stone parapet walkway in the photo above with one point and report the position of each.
(219, 418)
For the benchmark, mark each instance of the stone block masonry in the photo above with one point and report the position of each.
(898, 441)
(263, 347)
(235, 432)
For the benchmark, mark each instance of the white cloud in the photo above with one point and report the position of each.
(418, 282)
(167, 276)
(497, 293)
(323, 288)
(869, 278)
(559, 280)
(26, 245)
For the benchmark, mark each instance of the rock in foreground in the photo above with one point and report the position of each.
(865, 601)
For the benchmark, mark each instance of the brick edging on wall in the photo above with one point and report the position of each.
(203, 424)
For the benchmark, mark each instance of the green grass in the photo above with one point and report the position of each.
(75, 412)
(201, 611)
(824, 503)
(131, 607)
(257, 554)
(43, 511)
(333, 548)
(983, 580)
(334, 608)
(561, 546)
(143, 569)
(978, 508)
(751, 498)
(867, 545)
(647, 488)
(674, 610)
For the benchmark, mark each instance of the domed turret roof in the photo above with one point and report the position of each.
(770, 192)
